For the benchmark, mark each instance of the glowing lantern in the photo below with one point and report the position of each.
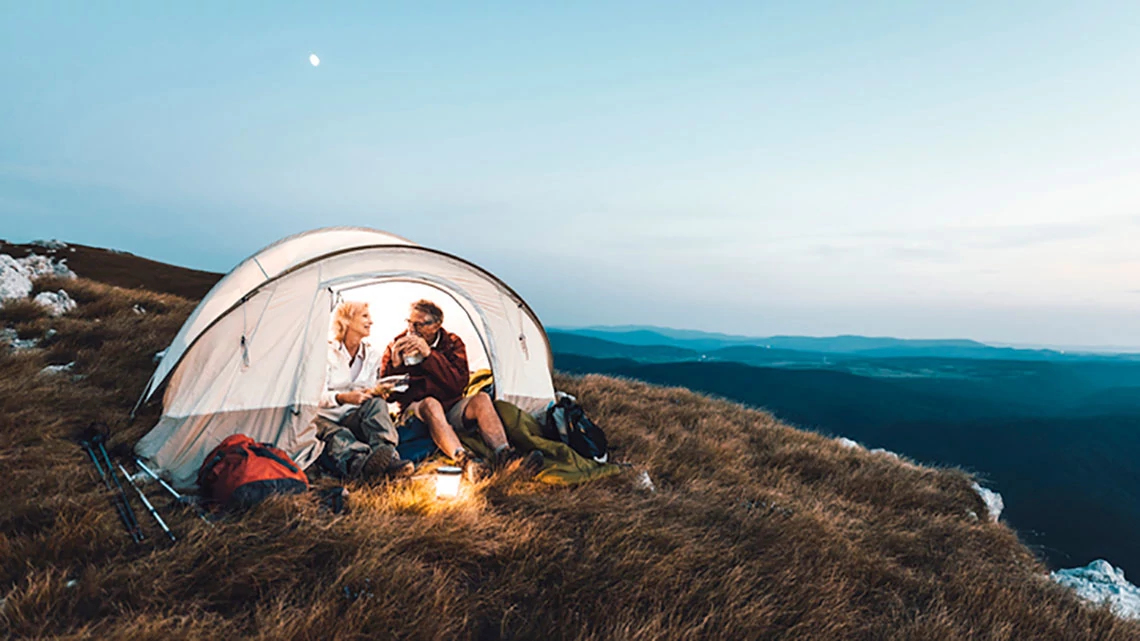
(447, 482)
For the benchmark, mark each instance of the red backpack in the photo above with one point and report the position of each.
(241, 472)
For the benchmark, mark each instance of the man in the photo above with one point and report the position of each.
(436, 362)
(353, 421)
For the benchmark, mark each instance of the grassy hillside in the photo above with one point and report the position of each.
(756, 530)
(123, 269)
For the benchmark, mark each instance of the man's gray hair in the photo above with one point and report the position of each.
(425, 306)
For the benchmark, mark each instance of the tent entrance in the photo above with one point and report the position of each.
(389, 300)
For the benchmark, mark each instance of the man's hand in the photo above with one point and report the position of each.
(418, 344)
(355, 397)
(400, 347)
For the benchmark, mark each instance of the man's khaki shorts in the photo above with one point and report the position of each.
(454, 415)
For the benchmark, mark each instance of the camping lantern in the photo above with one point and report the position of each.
(447, 482)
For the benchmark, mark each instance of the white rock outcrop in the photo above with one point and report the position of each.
(887, 453)
(1100, 582)
(14, 280)
(50, 244)
(993, 501)
(856, 445)
(56, 303)
(36, 266)
(17, 274)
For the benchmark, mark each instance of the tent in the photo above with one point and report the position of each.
(251, 358)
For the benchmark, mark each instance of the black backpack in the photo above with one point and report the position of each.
(566, 421)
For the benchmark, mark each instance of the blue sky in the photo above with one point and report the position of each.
(958, 170)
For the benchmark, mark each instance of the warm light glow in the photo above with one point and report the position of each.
(447, 482)
(314, 60)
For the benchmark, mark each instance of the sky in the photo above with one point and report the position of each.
(953, 170)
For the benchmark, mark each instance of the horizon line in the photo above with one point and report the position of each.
(1071, 347)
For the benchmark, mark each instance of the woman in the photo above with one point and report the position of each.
(353, 421)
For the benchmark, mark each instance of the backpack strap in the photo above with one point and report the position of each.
(218, 457)
(263, 451)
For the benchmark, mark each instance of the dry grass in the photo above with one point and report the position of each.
(757, 530)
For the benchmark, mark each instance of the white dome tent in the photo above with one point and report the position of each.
(251, 357)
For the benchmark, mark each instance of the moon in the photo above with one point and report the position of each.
(314, 60)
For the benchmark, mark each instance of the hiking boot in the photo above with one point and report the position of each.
(511, 459)
(474, 469)
(385, 461)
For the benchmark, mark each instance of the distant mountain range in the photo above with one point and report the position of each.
(788, 350)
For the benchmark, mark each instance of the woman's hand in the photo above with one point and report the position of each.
(383, 390)
(355, 397)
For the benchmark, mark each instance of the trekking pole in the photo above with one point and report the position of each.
(115, 500)
(115, 477)
(153, 512)
(184, 500)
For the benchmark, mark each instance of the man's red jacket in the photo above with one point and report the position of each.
(442, 375)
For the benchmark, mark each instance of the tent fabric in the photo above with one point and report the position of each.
(256, 270)
(251, 358)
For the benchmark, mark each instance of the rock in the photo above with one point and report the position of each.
(887, 453)
(1100, 582)
(36, 266)
(14, 280)
(855, 445)
(57, 303)
(9, 335)
(57, 369)
(643, 482)
(993, 501)
(49, 244)
(17, 274)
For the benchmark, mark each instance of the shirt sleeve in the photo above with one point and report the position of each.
(386, 368)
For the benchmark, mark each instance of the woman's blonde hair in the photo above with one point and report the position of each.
(343, 316)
